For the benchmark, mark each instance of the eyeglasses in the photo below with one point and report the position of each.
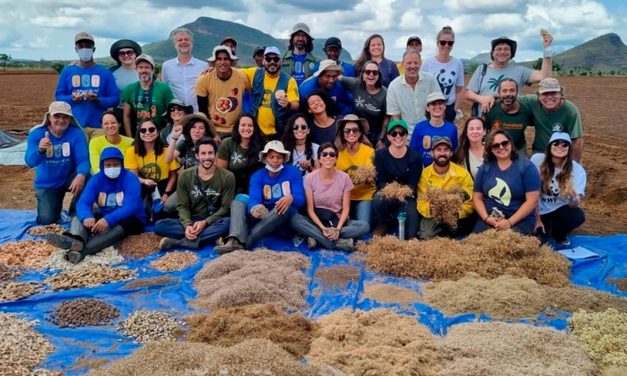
(302, 127)
(398, 133)
(498, 145)
(126, 53)
(177, 108)
(351, 130)
(562, 144)
(330, 154)
(445, 42)
(369, 72)
(147, 130)
(270, 59)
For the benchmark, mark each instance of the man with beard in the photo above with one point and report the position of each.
(88, 87)
(298, 61)
(274, 94)
(205, 194)
(510, 114)
(182, 72)
(333, 49)
(444, 177)
(146, 99)
(327, 79)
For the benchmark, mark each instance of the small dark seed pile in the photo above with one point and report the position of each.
(83, 312)
(148, 282)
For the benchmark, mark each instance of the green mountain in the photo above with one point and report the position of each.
(209, 32)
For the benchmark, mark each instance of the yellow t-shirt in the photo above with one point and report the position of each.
(455, 176)
(225, 97)
(98, 144)
(150, 166)
(265, 117)
(349, 163)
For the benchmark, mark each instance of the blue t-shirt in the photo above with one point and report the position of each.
(344, 101)
(505, 190)
(423, 135)
(299, 68)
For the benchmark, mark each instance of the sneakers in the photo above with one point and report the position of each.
(344, 245)
(564, 242)
(65, 241)
(311, 243)
(231, 245)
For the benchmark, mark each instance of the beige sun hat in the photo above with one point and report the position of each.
(58, 107)
(328, 64)
(275, 145)
(220, 48)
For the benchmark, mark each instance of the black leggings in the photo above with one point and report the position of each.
(559, 223)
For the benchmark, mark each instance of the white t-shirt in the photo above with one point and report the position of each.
(551, 201)
(449, 75)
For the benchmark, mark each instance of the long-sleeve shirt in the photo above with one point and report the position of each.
(456, 176)
(343, 99)
(404, 171)
(267, 190)
(210, 199)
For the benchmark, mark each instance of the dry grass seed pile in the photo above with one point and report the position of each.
(175, 261)
(489, 254)
(44, 230)
(11, 291)
(508, 297)
(149, 282)
(241, 278)
(21, 347)
(145, 326)
(139, 246)
(603, 335)
(251, 357)
(390, 294)
(92, 275)
(30, 254)
(621, 283)
(364, 174)
(445, 204)
(378, 342)
(227, 327)
(500, 349)
(397, 191)
(83, 312)
(337, 276)
(8, 273)
(106, 257)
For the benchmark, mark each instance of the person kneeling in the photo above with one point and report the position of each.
(116, 195)
(328, 194)
(276, 192)
(205, 193)
(444, 177)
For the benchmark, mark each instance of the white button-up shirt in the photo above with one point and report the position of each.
(182, 78)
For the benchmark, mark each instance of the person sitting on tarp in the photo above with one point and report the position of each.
(109, 209)
(57, 150)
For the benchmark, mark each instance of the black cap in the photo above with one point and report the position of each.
(229, 39)
(259, 50)
(333, 42)
(414, 38)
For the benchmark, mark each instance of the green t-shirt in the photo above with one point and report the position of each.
(513, 124)
(143, 106)
(210, 199)
(239, 164)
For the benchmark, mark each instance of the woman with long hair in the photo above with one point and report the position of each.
(469, 153)
(195, 127)
(297, 140)
(374, 49)
(240, 152)
(506, 188)
(322, 121)
(111, 125)
(563, 183)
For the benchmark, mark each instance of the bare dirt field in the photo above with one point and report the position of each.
(25, 96)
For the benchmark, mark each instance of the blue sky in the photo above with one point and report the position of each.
(36, 29)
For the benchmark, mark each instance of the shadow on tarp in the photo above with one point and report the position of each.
(107, 342)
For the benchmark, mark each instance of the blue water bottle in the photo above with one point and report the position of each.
(401, 225)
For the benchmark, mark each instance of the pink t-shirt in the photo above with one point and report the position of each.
(328, 195)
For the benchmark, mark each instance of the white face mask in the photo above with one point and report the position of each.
(112, 172)
(85, 54)
(271, 169)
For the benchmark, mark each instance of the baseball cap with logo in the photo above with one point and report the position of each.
(437, 140)
(83, 36)
(549, 85)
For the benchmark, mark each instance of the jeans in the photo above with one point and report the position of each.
(241, 219)
(351, 229)
(386, 212)
(50, 202)
(362, 211)
(173, 228)
(560, 222)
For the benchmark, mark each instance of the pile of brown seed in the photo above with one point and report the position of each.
(8, 274)
(53, 228)
(139, 246)
(149, 282)
(147, 326)
(11, 291)
(30, 254)
(174, 261)
(92, 275)
(21, 347)
(83, 312)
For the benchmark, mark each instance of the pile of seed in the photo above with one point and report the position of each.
(337, 276)
(21, 347)
(149, 282)
(365, 174)
(53, 228)
(11, 291)
(145, 326)
(83, 312)
(106, 257)
(139, 246)
(30, 254)
(175, 261)
(384, 293)
(8, 274)
(603, 335)
(396, 191)
(92, 275)
(620, 283)
(445, 204)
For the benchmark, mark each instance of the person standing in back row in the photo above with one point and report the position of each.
(298, 60)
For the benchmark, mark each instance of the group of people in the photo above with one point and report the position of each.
(214, 152)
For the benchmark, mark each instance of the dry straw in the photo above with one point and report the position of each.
(149, 282)
(251, 357)
(241, 278)
(390, 294)
(106, 257)
(8, 273)
(500, 349)
(53, 228)
(378, 342)
(91, 275)
(139, 246)
(489, 254)
(83, 312)
(145, 326)
(445, 204)
(603, 335)
(397, 191)
(364, 174)
(175, 261)
(12, 291)
(620, 283)
(337, 276)
(21, 347)
(227, 327)
(30, 254)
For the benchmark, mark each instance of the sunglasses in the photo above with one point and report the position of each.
(498, 145)
(126, 53)
(369, 72)
(177, 108)
(562, 144)
(330, 154)
(303, 127)
(147, 130)
(445, 42)
(270, 59)
(398, 133)
(351, 130)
